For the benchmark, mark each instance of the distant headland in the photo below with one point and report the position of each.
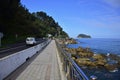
(83, 36)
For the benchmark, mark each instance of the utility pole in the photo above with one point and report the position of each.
(1, 35)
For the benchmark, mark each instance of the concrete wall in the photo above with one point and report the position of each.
(9, 63)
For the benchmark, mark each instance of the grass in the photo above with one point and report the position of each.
(11, 40)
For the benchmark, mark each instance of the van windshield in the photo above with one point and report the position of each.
(30, 39)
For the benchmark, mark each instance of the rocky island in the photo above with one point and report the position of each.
(83, 36)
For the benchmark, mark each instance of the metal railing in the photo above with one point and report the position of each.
(71, 69)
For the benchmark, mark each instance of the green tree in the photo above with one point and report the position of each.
(15, 19)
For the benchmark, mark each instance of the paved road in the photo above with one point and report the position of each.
(15, 48)
(44, 67)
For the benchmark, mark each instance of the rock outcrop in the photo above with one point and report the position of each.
(85, 57)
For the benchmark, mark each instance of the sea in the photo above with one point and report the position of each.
(104, 46)
(99, 45)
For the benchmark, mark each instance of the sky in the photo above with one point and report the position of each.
(98, 18)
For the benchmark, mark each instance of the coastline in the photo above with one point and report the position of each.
(100, 45)
(88, 60)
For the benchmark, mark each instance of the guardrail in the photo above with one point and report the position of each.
(71, 69)
(9, 63)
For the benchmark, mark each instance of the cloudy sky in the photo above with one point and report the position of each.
(98, 18)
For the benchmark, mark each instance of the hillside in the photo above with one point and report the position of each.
(16, 22)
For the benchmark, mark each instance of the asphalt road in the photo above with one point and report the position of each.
(16, 48)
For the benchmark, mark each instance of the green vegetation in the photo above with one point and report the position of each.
(83, 36)
(16, 23)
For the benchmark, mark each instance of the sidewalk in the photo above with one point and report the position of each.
(44, 67)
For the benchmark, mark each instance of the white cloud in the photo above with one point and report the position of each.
(113, 3)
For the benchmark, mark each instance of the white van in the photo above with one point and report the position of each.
(30, 41)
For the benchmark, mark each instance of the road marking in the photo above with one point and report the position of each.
(11, 49)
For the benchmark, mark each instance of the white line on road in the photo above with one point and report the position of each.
(11, 49)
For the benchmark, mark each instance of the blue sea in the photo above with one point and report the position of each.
(99, 45)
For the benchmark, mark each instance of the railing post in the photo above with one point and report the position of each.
(71, 69)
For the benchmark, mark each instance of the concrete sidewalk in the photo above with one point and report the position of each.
(44, 67)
